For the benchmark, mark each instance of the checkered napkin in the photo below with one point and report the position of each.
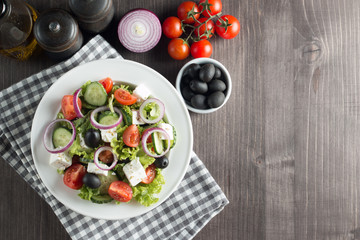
(197, 199)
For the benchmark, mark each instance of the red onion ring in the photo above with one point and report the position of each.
(76, 105)
(159, 103)
(139, 30)
(47, 138)
(96, 158)
(101, 126)
(147, 133)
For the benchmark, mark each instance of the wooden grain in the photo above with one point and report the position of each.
(283, 149)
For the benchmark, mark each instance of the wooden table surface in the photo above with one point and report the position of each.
(284, 149)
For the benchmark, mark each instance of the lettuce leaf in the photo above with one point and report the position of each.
(144, 193)
(77, 149)
(86, 192)
(145, 159)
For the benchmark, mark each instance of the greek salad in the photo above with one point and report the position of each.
(110, 141)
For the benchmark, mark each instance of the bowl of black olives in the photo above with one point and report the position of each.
(204, 84)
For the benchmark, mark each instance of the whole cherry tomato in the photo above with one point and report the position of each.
(227, 26)
(208, 27)
(178, 49)
(171, 27)
(215, 8)
(186, 8)
(202, 48)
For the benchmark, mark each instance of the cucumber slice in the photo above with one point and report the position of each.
(127, 119)
(100, 199)
(95, 94)
(61, 136)
(158, 145)
(108, 118)
(106, 181)
(172, 142)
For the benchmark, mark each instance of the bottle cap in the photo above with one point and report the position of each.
(56, 30)
(90, 10)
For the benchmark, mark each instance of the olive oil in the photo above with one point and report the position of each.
(16, 35)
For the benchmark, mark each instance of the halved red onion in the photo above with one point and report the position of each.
(96, 158)
(161, 109)
(101, 126)
(147, 133)
(76, 105)
(47, 138)
(139, 30)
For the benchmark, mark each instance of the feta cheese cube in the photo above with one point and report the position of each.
(108, 135)
(134, 172)
(168, 128)
(136, 119)
(60, 160)
(92, 168)
(141, 92)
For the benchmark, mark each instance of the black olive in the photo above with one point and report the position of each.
(199, 101)
(92, 138)
(217, 73)
(215, 99)
(185, 80)
(162, 162)
(198, 87)
(187, 93)
(216, 85)
(91, 180)
(207, 72)
(192, 70)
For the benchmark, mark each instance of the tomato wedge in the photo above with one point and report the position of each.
(67, 107)
(120, 191)
(107, 83)
(124, 97)
(131, 136)
(73, 176)
(150, 174)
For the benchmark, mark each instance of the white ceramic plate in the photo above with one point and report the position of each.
(122, 71)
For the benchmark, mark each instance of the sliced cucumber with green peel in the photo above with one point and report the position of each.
(108, 118)
(127, 119)
(158, 144)
(61, 137)
(95, 94)
(100, 199)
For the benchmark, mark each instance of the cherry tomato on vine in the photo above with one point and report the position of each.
(228, 27)
(178, 49)
(171, 27)
(214, 9)
(208, 27)
(185, 8)
(202, 48)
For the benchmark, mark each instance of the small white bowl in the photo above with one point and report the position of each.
(226, 78)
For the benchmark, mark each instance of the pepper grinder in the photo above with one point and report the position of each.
(58, 33)
(92, 15)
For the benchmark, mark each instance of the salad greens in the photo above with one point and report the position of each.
(126, 148)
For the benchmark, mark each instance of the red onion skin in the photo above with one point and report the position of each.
(96, 158)
(76, 105)
(65, 147)
(159, 103)
(146, 135)
(104, 127)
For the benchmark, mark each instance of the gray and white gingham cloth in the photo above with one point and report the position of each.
(197, 199)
